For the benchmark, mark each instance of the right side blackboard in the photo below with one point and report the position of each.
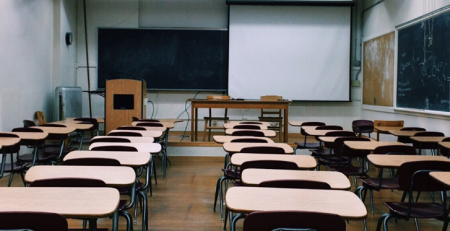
(423, 70)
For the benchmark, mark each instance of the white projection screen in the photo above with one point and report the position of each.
(298, 52)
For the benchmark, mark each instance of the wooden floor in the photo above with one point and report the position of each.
(184, 201)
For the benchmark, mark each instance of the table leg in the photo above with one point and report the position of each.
(196, 123)
(115, 220)
(286, 121)
(81, 140)
(192, 121)
(93, 224)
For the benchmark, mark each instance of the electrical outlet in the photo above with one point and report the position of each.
(214, 122)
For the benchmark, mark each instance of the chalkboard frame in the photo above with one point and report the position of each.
(206, 69)
(427, 65)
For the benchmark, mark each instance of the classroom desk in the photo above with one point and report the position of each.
(394, 161)
(336, 180)
(141, 147)
(227, 139)
(5, 143)
(131, 159)
(304, 162)
(237, 104)
(249, 199)
(444, 144)
(245, 122)
(432, 140)
(369, 146)
(384, 130)
(331, 139)
(237, 147)
(231, 126)
(168, 125)
(132, 139)
(296, 123)
(403, 133)
(311, 131)
(80, 128)
(154, 134)
(33, 137)
(62, 132)
(161, 129)
(163, 120)
(267, 133)
(72, 120)
(77, 202)
(443, 177)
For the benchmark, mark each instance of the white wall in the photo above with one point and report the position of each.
(382, 19)
(182, 13)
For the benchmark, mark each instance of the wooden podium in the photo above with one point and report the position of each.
(124, 98)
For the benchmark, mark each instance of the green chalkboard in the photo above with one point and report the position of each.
(423, 59)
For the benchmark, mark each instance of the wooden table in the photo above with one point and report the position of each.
(131, 159)
(367, 145)
(267, 133)
(227, 139)
(237, 104)
(303, 161)
(154, 134)
(249, 199)
(385, 130)
(394, 161)
(113, 176)
(243, 122)
(132, 139)
(141, 147)
(231, 126)
(237, 147)
(84, 203)
(253, 177)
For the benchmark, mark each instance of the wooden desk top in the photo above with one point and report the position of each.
(311, 130)
(76, 126)
(444, 144)
(403, 133)
(132, 159)
(141, 147)
(231, 126)
(369, 146)
(57, 130)
(8, 141)
(250, 199)
(443, 177)
(386, 128)
(71, 120)
(296, 123)
(242, 122)
(132, 139)
(161, 129)
(267, 133)
(394, 161)
(30, 135)
(112, 175)
(336, 180)
(69, 202)
(169, 125)
(237, 147)
(302, 161)
(166, 120)
(227, 139)
(154, 134)
(331, 139)
(248, 104)
(428, 139)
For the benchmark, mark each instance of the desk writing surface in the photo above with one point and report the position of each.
(253, 177)
(302, 161)
(111, 175)
(369, 145)
(227, 139)
(72, 120)
(443, 177)
(444, 144)
(76, 126)
(169, 125)
(237, 147)
(154, 134)
(427, 139)
(267, 133)
(386, 128)
(243, 122)
(132, 139)
(331, 139)
(56, 130)
(249, 199)
(231, 126)
(76, 202)
(394, 161)
(403, 133)
(313, 132)
(30, 135)
(8, 141)
(141, 147)
(162, 129)
(296, 123)
(132, 159)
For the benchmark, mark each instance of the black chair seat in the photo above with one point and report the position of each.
(418, 210)
(126, 190)
(39, 158)
(333, 160)
(374, 183)
(349, 170)
(122, 205)
(321, 152)
(231, 174)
